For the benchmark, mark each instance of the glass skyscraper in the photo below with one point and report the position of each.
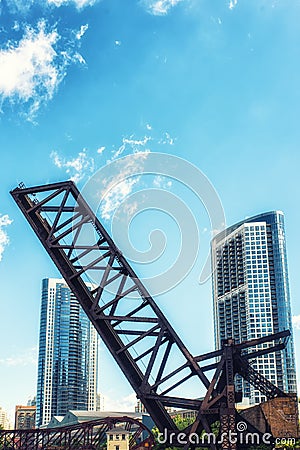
(251, 294)
(68, 354)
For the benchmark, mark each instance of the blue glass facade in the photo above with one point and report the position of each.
(251, 294)
(68, 353)
(285, 361)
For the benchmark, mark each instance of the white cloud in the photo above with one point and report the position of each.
(78, 57)
(16, 25)
(124, 404)
(159, 7)
(115, 190)
(4, 239)
(116, 195)
(167, 139)
(162, 182)
(23, 7)
(26, 358)
(15, 6)
(80, 4)
(5, 220)
(77, 168)
(133, 145)
(122, 185)
(28, 68)
(32, 69)
(232, 4)
(57, 160)
(296, 322)
(82, 31)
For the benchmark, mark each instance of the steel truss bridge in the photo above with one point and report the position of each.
(145, 346)
(85, 436)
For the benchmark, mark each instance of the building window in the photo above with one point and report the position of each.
(123, 437)
(117, 447)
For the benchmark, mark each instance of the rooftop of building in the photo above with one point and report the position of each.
(27, 407)
(73, 417)
(55, 422)
(262, 217)
(117, 430)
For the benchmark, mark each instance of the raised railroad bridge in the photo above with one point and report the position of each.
(144, 344)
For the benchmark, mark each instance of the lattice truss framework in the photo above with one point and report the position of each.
(85, 436)
(142, 341)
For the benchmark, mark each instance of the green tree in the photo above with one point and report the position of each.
(182, 423)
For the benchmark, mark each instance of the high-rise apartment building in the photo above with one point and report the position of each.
(68, 354)
(251, 294)
(4, 420)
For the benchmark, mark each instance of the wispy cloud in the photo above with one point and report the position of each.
(232, 4)
(32, 69)
(80, 4)
(132, 145)
(117, 189)
(123, 183)
(18, 6)
(116, 195)
(28, 71)
(167, 139)
(82, 31)
(124, 404)
(25, 358)
(159, 7)
(77, 168)
(162, 182)
(114, 190)
(23, 7)
(296, 322)
(4, 239)
(83, 165)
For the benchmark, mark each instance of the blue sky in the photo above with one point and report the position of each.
(85, 82)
